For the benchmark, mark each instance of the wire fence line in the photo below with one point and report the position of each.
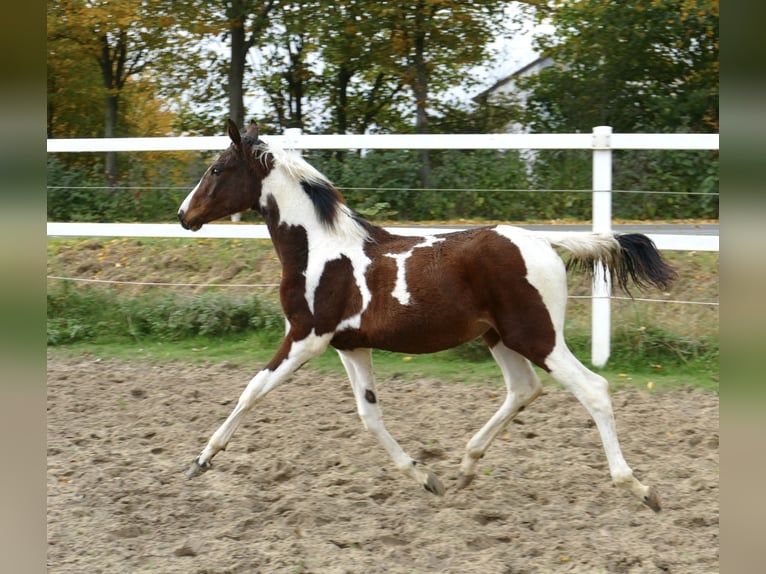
(225, 285)
(398, 189)
(157, 284)
(645, 300)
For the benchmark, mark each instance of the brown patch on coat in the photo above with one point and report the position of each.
(459, 288)
(337, 296)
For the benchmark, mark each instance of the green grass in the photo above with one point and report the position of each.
(253, 351)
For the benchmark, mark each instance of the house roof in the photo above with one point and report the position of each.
(510, 77)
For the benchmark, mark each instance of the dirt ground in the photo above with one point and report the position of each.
(303, 488)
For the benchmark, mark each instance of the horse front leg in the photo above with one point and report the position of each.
(290, 356)
(358, 365)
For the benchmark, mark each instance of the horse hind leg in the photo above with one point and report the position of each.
(592, 391)
(358, 365)
(523, 386)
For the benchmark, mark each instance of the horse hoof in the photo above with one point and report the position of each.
(652, 500)
(196, 468)
(464, 480)
(434, 485)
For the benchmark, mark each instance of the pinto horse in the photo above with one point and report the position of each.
(356, 287)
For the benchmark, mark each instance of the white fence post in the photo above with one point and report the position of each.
(602, 223)
(292, 139)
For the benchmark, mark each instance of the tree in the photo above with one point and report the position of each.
(247, 22)
(433, 41)
(660, 75)
(120, 38)
(325, 66)
(288, 56)
(372, 65)
(70, 92)
(359, 74)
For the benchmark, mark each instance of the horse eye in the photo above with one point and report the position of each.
(216, 171)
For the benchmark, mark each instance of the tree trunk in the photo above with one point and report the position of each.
(294, 76)
(239, 49)
(111, 102)
(238, 12)
(341, 111)
(420, 89)
(341, 107)
(111, 107)
(297, 119)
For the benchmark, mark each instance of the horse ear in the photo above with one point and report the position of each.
(253, 130)
(234, 134)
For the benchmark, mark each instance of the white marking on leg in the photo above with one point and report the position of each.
(546, 272)
(263, 382)
(592, 391)
(522, 387)
(358, 365)
(401, 291)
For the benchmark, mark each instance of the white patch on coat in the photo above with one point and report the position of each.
(325, 244)
(401, 291)
(187, 201)
(545, 268)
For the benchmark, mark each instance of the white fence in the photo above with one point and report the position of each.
(602, 141)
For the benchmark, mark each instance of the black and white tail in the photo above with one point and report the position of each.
(629, 258)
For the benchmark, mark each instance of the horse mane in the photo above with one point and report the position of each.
(326, 199)
(329, 204)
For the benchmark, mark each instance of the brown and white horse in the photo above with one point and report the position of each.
(354, 286)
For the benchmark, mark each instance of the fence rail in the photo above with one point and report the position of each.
(601, 142)
(293, 138)
(663, 241)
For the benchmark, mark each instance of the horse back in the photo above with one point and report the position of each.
(430, 294)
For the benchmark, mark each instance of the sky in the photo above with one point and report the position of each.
(515, 51)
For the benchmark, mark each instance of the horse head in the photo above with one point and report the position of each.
(232, 184)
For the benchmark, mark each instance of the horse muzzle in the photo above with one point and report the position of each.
(187, 225)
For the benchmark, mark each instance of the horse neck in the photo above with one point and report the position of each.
(295, 226)
(285, 202)
(299, 218)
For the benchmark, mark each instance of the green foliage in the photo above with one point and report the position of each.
(101, 316)
(80, 191)
(687, 182)
(383, 185)
(73, 193)
(375, 185)
(658, 348)
(643, 349)
(98, 315)
(467, 184)
(659, 76)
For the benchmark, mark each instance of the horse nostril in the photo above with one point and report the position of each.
(181, 220)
